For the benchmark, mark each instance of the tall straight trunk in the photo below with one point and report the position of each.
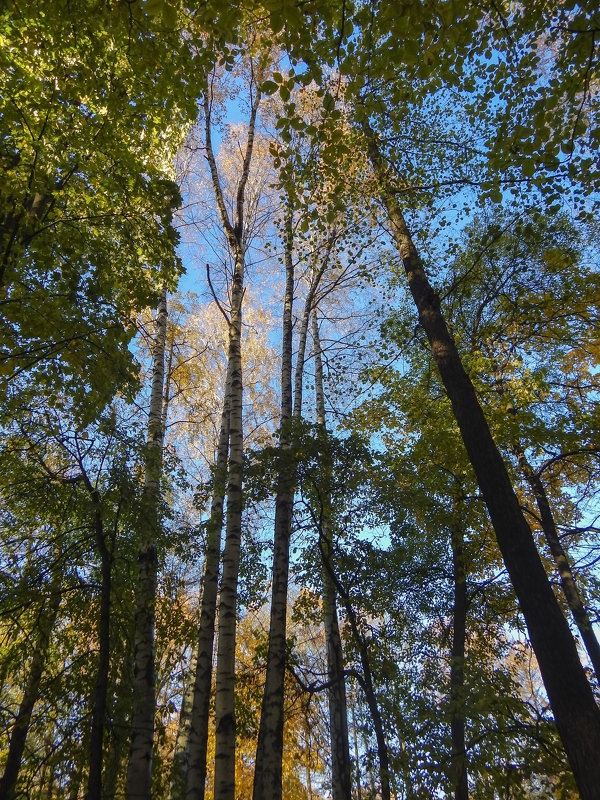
(194, 773)
(269, 751)
(571, 698)
(224, 776)
(365, 677)
(341, 770)
(224, 782)
(94, 784)
(179, 767)
(356, 752)
(567, 579)
(457, 662)
(139, 768)
(117, 755)
(309, 305)
(20, 729)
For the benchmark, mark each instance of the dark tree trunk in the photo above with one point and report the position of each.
(567, 579)
(269, 751)
(457, 664)
(94, 784)
(18, 736)
(139, 768)
(341, 770)
(571, 698)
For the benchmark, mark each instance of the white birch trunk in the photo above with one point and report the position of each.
(195, 768)
(225, 680)
(224, 775)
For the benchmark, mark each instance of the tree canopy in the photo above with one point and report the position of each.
(300, 413)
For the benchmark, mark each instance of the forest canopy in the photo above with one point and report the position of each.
(300, 410)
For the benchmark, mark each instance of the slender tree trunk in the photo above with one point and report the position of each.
(199, 718)
(179, 768)
(225, 678)
(224, 776)
(139, 768)
(269, 751)
(365, 679)
(309, 305)
(20, 729)
(94, 784)
(567, 579)
(341, 770)
(571, 698)
(356, 751)
(457, 662)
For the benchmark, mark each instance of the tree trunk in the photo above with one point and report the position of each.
(139, 768)
(341, 771)
(366, 678)
(457, 662)
(567, 579)
(224, 776)
(18, 228)
(225, 679)
(571, 698)
(18, 736)
(94, 784)
(269, 751)
(195, 779)
(309, 305)
(117, 755)
(179, 767)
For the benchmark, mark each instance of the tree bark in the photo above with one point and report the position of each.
(224, 776)
(571, 698)
(20, 729)
(139, 768)
(269, 751)
(18, 228)
(341, 770)
(225, 678)
(567, 579)
(457, 662)
(94, 784)
(195, 774)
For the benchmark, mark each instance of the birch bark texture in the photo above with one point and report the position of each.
(575, 711)
(235, 232)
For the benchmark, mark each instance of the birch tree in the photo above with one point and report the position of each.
(139, 769)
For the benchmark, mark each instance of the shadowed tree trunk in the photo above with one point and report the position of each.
(20, 729)
(94, 784)
(341, 771)
(571, 698)
(567, 579)
(194, 777)
(457, 662)
(269, 751)
(139, 768)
